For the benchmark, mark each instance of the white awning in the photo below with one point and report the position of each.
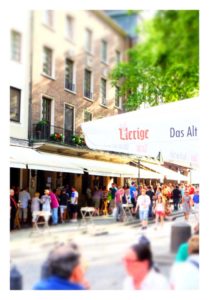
(169, 174)
(22, 157)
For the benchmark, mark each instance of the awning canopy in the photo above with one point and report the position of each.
(21, 157)
(169, 174)
(171, 129)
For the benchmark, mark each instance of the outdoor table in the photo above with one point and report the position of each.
(87, 217)
(126, 208)
(45, 215)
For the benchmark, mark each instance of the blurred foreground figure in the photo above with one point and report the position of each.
(142, 275)
(185, 275)
(65, 270)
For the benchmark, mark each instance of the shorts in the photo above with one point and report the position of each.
(133, 201)
(62, 208)
(160, 213)
(74, 208)
(143, 215)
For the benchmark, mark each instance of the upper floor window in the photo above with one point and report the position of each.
(104, 51)
(69, 28)
(87, 116)
(117, 97)
(103, 88)
(88, 84)
(88, 40)
(69, 72)
(47, 61)
(48, 18)
(118, 57)
(15, 46)
(15, 97)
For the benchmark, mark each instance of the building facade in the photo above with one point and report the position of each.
(19, 67)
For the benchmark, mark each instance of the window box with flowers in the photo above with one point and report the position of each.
(57, 137)
(78, 140)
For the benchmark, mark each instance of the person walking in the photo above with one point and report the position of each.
(159, 210)
(74, 204)
(46, 204)
(151, 194)
(54, 207)
(35, 207)
(24, 198)
(186, 206)
(63, 205)
(143, 203)
(176, 194)
(118, 203)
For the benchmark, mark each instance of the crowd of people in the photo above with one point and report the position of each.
(63, 203)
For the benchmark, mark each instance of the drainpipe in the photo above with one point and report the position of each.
(31, 81)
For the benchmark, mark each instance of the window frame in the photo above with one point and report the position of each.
(104, 59)
(13, 58)
(73, 89)
(119, 98)
(46, 18)
(69, 36)
(86, 47)
(87, 112)
(51, 75)
(103, 80)
(91, 85)
(18, 106)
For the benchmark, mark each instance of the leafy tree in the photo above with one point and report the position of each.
(164, 66)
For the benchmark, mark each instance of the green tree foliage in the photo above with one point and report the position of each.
(164, 66)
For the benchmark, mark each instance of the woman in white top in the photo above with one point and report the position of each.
(35, 206)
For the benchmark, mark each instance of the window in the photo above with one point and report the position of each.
(87, 116)
(69, 68)
(69, 28)
(48, 18)
(15, 46)
(88, 40)
(117, 97)
(47, 61)
(15, 96)
(46, 109)
(103, 91)
(88, 84)
(118, 57)
(104, 51)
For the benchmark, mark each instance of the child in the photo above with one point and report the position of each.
(159, 210)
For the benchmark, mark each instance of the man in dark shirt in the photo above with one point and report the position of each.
(150, 193)
(176, 197)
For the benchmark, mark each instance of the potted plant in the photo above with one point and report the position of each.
(78, 140)
(57, 137)
(42, 129)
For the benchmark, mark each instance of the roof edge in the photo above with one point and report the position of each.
(110, 22)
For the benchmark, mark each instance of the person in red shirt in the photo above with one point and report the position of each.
(118, 202)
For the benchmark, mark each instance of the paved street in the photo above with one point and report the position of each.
(102, 245)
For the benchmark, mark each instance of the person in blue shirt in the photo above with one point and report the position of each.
(63, 270)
